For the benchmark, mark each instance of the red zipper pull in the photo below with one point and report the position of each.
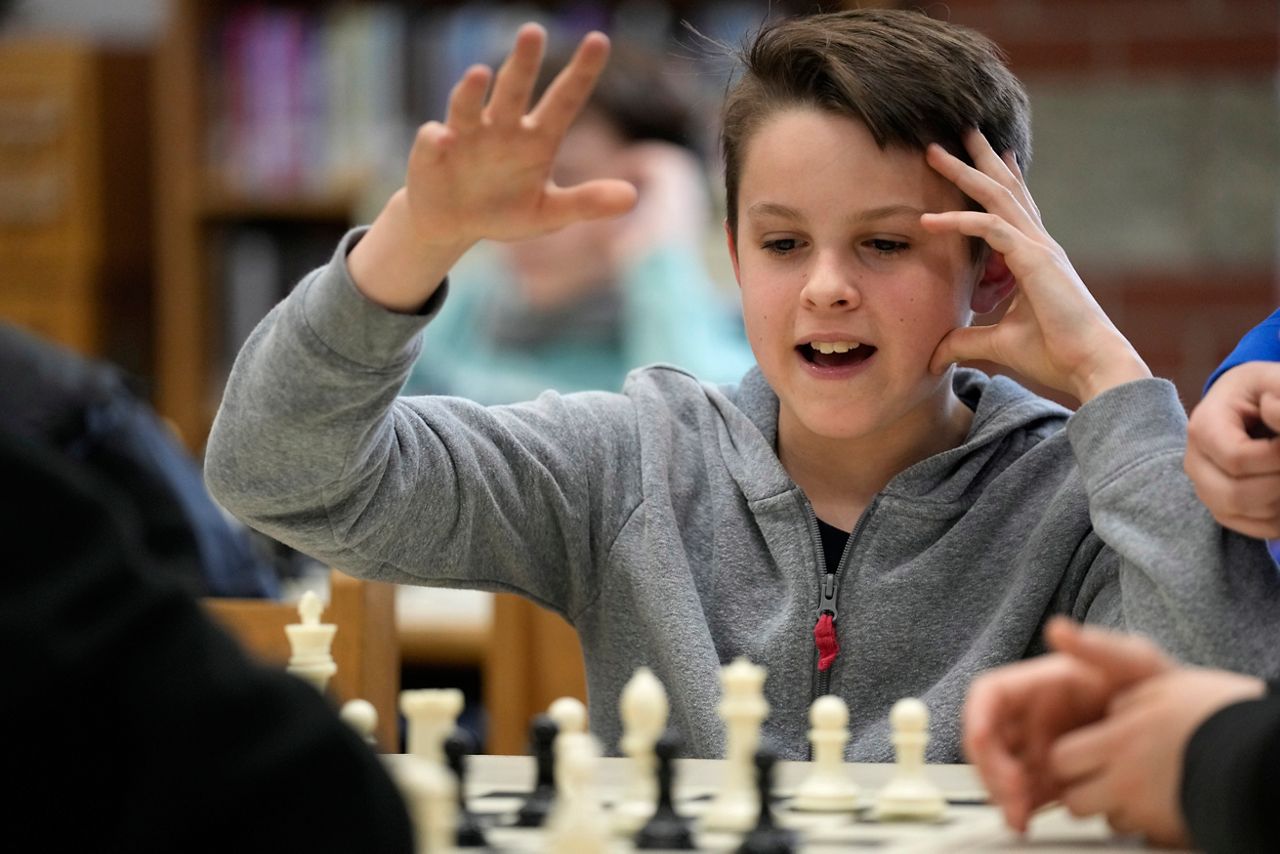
(824, 633)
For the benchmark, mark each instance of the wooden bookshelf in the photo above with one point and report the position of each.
(74, 196)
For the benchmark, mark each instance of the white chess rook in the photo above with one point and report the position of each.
(432, 797)
(743, 709)
(310, 642)
(910, 795)
(432, 714)
(828, 788)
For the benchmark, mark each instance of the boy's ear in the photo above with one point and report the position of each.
(996, 283)
(733, 251)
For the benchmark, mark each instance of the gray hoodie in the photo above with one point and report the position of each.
(662, 525)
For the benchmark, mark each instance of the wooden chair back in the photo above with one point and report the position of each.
(534, 658)
(365, 648)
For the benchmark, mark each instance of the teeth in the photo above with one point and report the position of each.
(829, 347)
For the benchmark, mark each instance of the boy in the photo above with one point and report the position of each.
(679, 525)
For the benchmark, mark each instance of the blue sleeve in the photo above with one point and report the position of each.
(1260, 344)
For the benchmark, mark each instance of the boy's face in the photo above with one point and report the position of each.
(829, 250)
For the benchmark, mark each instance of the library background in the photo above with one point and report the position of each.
(168, 170)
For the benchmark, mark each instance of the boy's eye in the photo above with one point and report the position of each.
(781, 246)
(886, 247)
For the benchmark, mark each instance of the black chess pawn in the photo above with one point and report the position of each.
(536, 808)
(767, 837)
(456, 749)
(667, 829)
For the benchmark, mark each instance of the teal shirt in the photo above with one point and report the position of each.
(665, 309)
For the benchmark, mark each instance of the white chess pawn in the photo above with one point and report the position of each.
(743, 709)
(644, 708)
(570, 715)
(310, 642)
(828, 788)
(361, 716)
(910, 795)
(432, 715)
(431, 794)
(578, 824)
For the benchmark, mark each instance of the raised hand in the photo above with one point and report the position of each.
(1053, 331)
(1233, 452)
(485, 172)
(1014, 714)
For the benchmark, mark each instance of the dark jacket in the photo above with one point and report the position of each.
(133, 723)
(87, 411)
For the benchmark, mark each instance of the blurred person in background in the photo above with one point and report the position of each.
(579, 308)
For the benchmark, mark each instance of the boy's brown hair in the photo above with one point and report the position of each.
(908, 78)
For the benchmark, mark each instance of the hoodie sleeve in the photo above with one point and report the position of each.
(313, 446)
(1169, 570)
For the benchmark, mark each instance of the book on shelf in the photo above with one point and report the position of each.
(323, 100)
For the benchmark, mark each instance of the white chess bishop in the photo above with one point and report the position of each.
(910, 795)
(644, 708)
(310, 642)
(828, 788)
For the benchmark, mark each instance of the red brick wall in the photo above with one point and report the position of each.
(1105, 37)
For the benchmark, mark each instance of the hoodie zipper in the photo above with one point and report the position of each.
(824, 630)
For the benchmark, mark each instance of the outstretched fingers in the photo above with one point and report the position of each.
(466, 99)
(569, 91)
(513, 85)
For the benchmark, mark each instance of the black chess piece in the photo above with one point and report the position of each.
(667, 829)
(456, 749)
(536, 808)
(767, 837)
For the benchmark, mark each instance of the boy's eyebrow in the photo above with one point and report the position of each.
(887, 212)
(774, 209)
(870, 215)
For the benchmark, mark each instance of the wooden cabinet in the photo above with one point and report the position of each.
(74, 196)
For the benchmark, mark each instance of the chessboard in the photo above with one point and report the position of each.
(496, 787)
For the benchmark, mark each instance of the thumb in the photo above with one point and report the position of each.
(962, 344)
(597, 199)
(1269, 410)
(1123, 659)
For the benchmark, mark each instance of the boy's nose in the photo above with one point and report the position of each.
(831, 284)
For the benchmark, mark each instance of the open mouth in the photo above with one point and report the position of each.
(835, 354)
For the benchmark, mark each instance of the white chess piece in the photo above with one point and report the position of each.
(910, 794)
(743, 708)
(828, 788)
(310, 642)
(432, 715)
(570, 715)
(361, 716)
(431, 794)
(644, 708)
(578, 824)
